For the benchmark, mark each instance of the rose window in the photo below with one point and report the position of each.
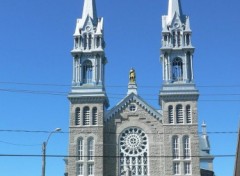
(133, 151)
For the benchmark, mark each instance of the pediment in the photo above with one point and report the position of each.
(88, 24)
(133, 98)
(176, 22)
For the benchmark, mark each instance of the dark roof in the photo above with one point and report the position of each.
(206, 172)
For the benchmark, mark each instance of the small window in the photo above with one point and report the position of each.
(176, 168)
(90, 169)
(94, 116)
(188, 114)
(187, 168)
(170, 114)
(86, 116)
(77, 116)
(175, 147)
(186, 145)
(80, 149)
(132, 107)
(179, 113)
(90, 149)
(80, 169)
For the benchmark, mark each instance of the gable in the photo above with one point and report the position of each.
(133, 99)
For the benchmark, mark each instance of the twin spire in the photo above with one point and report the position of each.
(89, 9)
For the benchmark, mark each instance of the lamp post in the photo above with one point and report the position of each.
(44, 146)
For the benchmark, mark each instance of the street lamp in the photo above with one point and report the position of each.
(44, 146)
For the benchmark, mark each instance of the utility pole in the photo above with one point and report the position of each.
(44, 148)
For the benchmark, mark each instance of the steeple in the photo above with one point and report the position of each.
(88, 99)
(89, 9)
(177, 50)
(174, 8)
(177, 56)
(88, 52)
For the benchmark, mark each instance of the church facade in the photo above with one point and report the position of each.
(133, 138)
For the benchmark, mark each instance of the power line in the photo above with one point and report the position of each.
(34, 92)
(25, 145)
(118, 98)
(143, 86)
(70, 156)
(160, 133)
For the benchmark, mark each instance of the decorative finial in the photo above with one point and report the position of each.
(204, 130)
(132, 76)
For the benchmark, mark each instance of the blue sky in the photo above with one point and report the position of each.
(36, 40)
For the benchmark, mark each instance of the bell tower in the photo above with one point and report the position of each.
(88, 52)
(88, 99)
(179, 95)
(177, 50)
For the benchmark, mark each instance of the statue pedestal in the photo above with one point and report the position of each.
(132, 88)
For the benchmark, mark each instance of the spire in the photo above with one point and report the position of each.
(174, 7)
(89, 9)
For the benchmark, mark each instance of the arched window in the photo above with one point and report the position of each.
(170, 114)
(188, 39)
(94, 116)
(188, 114)
(177, 69)
(90, 148)
(176, 168)
(98, 42)
(76, 42)
(87, 71)
(84, 41)
(186, 147)
(90, 169)
(175, 147)
(133, 144)
(179, 38)
(174, 38)
(179, 114)
(86, 116)
(80, 169)
(189, 67)
(77, 116)
(89, 41)
(187, 168)
(80, 149)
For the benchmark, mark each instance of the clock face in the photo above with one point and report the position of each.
(88, 28)
(177, 25)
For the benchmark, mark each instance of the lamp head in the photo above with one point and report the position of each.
(58, 129)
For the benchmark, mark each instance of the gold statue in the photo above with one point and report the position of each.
(132, 76)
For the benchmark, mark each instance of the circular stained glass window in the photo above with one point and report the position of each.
(133, 144)
(133, 141)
